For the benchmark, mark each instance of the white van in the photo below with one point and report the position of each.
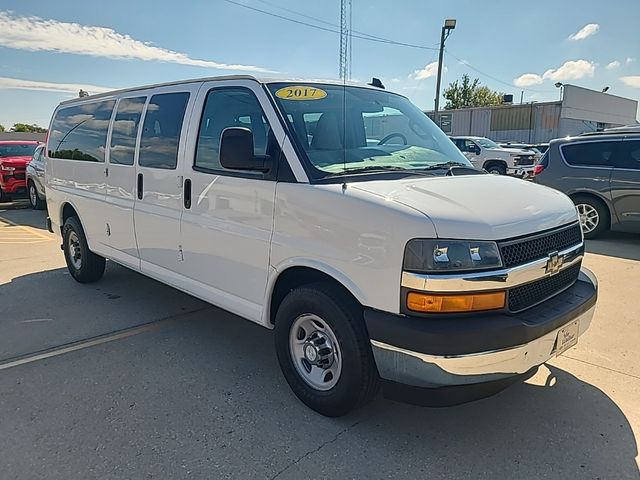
(339, 216)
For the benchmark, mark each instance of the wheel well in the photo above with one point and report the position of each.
(594, 198)
(295, 277)
(67, 212)
(490, 163)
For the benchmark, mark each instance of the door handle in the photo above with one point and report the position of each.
(187, 193)
(140, 186)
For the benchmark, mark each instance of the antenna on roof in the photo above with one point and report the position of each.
(375, 82)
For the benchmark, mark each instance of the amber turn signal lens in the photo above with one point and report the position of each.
(476, 302)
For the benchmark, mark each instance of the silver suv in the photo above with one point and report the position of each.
(601, 174)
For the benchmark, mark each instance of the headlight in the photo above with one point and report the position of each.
(6, 168)
(450, 255)
(515, 154)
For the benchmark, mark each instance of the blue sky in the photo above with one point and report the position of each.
(49, 49)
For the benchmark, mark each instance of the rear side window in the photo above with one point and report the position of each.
(80, 132)
(125, 130)
(161, 130)
(629, 156)
(590, 154)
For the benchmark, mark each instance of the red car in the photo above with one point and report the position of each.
(14, 157)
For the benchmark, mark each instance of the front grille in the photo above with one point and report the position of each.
(525, 296)
(19, 176)
(525, 160)
(519, 252)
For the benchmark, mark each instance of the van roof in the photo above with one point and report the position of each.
(218, 78)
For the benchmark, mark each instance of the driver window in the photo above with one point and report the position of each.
(470, 146)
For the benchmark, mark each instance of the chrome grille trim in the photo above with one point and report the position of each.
(492, 280)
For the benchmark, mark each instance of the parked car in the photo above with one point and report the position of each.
(14, 156)
(35, 179)
(394, 263)
(486, 154)
(537, 154)
(601, 174)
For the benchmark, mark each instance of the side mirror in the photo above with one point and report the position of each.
(236, 151)
(475, 149)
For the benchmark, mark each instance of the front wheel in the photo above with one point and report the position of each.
(84, 265)
(496, 169)
(323, 349)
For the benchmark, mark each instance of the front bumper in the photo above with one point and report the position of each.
(12, 185)
(521, 172)
(475, 351)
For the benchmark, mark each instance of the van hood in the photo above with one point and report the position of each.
(478, 207)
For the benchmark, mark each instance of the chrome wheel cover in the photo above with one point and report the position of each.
(315, 352)
(589, 217)
(74, 250)
(33, 195)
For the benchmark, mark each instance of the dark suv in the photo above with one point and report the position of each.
(601, 174)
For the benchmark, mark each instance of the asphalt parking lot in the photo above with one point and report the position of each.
(128, 378)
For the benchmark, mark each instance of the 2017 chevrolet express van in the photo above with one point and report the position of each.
(340, 216)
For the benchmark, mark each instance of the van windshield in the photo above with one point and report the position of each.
(348, 129)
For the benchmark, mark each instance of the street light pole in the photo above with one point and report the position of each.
(449, 24)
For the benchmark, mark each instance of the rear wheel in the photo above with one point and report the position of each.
(34, 198)
(323, 349)
(593, 214)
(84, 265)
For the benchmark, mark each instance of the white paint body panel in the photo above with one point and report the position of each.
(240, 234)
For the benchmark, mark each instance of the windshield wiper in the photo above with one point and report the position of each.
(374, 169)
(438, 166)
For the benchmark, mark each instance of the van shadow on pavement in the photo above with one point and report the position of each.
(616, 244)
(21, 213)
(204, 395)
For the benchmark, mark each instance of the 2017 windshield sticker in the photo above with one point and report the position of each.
(300, 92)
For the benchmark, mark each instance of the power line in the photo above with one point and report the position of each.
(360, 35)
(366, 36)
(511, 85)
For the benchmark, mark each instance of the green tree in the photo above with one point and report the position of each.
(470, 94)
(24, 127)
(1, 128)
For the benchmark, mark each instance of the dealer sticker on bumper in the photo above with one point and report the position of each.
(567, 337)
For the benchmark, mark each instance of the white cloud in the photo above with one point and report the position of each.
(629, 60)
(632, 81)
(571, 70)
(395, 80)
(586, 31)
(527, 79)
(38, 34)
(613, 65)
(6, 83)
(428, 71)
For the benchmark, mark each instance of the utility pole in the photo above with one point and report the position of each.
(449, 24)
(344, 65)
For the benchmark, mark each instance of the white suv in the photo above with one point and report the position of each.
(488, 155)
(340, 217)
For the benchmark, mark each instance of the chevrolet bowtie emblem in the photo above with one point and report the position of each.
(554, 263)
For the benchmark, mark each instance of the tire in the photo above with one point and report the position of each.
(84, 265)
(356, 381)
(496, 169)
(4, 198)
(594, 215)
(34, 198)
